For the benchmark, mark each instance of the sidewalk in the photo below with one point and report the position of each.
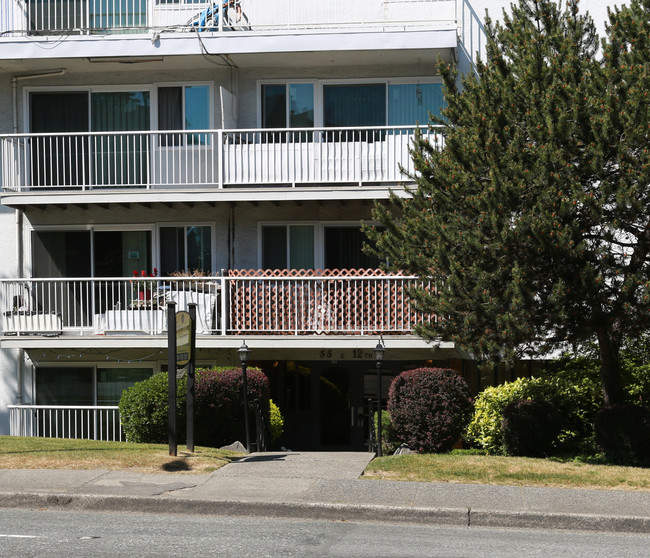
(326, 486)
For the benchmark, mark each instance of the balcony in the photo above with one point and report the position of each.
(207, 159)
(87, 17)
(359, 302)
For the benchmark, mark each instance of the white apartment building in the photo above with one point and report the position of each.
(247, 141)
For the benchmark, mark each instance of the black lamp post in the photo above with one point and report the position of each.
(244, 353)
(379, 356)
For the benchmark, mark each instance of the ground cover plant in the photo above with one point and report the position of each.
(55, 453)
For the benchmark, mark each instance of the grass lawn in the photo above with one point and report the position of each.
(52, 453)
(483, 469)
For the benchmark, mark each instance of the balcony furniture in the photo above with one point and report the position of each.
(131, 321)
(205, 305)
(25, 322)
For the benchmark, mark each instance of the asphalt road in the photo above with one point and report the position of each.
(73, 534)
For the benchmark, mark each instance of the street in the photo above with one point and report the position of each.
(74, 534)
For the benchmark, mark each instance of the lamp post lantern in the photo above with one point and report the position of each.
(244, 353)
(379, 356)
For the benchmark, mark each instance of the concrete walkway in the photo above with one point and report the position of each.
(325, 486)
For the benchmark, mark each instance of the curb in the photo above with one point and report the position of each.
(329, 512)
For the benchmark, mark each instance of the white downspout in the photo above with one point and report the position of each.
(20, 270)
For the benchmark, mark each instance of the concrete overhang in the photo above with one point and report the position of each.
(126, 198)
(244, 49)
(263, 347)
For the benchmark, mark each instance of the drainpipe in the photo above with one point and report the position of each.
(20, 357)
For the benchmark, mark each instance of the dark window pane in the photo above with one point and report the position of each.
(274, 106)
(120, 253)
(170, 114)
(64, 386)
(343, 249)
(199, 249)
(274, 247)
(355, 105)
(111, 382)
(172, 250)
(61, 254)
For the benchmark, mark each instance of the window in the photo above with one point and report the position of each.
(409, 103)
(288, 247)
(343, 247)
(288, 105)
(184, 108)
(387, 102)
(354, 105)
(185, 248)
(61, 254)
(314, 246)
(120, 253)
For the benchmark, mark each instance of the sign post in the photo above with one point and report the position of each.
(171, 376)
(181, 344)
(190, 379)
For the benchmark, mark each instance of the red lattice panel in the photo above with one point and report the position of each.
(319, 301)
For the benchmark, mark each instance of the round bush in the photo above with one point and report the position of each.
(429, 408)
(143, 410)
(530, 427)
(623, 434)
(219, 414)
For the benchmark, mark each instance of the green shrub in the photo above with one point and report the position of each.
(484, 430)
(218, 411)
(276, 421)
(623, 434)
(530, 427)
(143, 410)
(389, 440)
(429, 408)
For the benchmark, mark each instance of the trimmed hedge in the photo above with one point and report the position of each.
(429, 408)
(143, 410)
(219, 411)
(219, 416)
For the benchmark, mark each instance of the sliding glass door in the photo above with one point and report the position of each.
(121, 159)
(59, 160)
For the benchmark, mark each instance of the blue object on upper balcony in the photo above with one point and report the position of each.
(209, 18)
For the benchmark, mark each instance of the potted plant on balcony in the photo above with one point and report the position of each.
(196, 286)
(144, 284)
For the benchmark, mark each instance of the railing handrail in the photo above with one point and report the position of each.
(226, 131)
(368, 15)
(216, 278)
(67, 407)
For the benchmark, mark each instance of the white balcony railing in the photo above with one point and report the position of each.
(242, 302)
(207, 158)
(66, 421)
(54, 17)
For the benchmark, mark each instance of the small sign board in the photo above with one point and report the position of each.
(183, 338)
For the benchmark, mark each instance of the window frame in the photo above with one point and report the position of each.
(319, 85)
(179, 224)
(183, 86)
(151, 88)
(319, 236)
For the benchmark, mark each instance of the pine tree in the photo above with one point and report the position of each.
(533, 219)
